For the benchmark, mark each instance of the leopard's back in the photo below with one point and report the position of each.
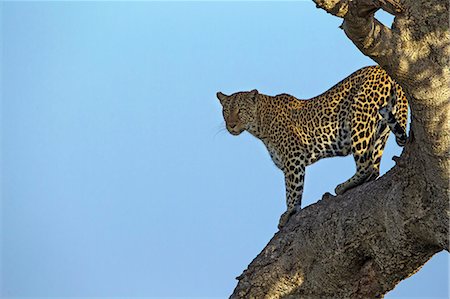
(345, 118)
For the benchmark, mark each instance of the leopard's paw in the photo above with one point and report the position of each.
(285, 218)
(340, 189)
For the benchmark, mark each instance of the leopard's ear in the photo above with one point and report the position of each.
(222, 97)
(253, 94)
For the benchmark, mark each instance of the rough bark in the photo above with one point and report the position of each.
(361, 244)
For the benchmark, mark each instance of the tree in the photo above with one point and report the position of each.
(364, 242)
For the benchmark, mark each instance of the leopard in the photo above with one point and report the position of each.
(355, 116)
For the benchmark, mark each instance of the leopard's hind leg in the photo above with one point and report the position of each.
(364, 144)
(378, 148)
(365, 172)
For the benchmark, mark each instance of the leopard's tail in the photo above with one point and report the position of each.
(395, 113)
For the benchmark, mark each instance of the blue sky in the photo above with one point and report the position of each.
(117, 178)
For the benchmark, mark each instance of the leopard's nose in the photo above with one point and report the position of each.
(232, 126)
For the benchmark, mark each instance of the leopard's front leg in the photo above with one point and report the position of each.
(294, 174)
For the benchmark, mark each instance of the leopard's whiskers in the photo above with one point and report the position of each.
(220, 128)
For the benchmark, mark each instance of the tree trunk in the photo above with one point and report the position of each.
(362, 243)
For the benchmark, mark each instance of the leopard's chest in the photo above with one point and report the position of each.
(275, 154)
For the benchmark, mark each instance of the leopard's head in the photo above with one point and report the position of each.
(239, 110)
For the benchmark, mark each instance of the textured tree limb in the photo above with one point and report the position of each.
(339, 8)
(362, 243)
(359, 245)
(360, 25)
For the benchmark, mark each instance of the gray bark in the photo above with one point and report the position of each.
(364, 242)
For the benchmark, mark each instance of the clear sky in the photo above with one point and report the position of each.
(118, 179)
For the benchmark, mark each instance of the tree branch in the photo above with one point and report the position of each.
(339, 8)
(359, 245)
(370, 36)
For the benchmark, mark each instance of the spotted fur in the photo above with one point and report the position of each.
(353, 117)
